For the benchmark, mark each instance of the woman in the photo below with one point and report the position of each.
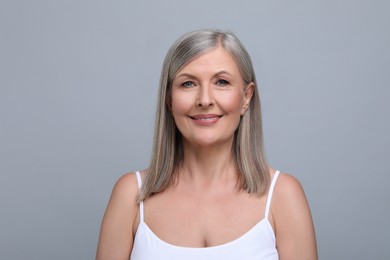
(208, 191)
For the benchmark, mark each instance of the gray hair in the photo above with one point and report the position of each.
(247, 150)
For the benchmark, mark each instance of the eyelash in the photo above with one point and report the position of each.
(222, 82)
(219, 82)
(185, 84)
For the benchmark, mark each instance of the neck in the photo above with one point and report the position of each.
(208, 165)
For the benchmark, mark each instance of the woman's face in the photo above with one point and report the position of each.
(208, 97)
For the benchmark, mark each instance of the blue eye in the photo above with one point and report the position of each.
(222, 82)
(187, 84)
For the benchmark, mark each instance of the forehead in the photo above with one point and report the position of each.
(214, 59)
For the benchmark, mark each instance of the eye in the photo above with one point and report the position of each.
(222, 82)
(187, 84)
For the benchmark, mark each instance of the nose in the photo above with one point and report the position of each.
(205, 97)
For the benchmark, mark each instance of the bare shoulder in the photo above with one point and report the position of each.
(125, 192)
(117, 229)
(289, 199)
(126, 187)
(123, 201)
(292, 218)
(288, 188)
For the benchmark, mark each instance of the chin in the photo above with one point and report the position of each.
(209, 141)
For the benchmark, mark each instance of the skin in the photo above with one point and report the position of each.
(208, 97)
(210, 87)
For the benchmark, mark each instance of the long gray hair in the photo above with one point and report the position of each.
(247, 150)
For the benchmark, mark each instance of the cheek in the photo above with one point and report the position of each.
(233, 103)
(179, 103)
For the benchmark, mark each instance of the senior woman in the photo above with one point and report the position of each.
(208, 192)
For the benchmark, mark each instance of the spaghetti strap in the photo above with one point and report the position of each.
(270, 192)
(141, 205)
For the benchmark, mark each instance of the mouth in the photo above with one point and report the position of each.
(205, 118)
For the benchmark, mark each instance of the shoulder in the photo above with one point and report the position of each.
(123, 201)
(288, 197)
(126, 187)
(120, 218)
(287, 187)
(124, 196)
(292, 219)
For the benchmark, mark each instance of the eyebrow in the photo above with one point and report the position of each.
(223, 72)
(192, 76)
(184, 75)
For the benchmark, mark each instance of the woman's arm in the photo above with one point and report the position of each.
(295, 236)
(116, 233)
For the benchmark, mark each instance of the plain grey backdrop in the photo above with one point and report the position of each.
(78, 89)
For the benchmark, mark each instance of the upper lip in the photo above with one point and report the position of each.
(205, 116)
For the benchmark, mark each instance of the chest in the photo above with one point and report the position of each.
(194, 219)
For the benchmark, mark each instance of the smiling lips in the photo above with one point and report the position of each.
(205, 119)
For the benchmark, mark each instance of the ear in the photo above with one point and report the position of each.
(248, 93)
(168, 102)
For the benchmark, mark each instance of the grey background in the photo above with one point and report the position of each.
(78, 89)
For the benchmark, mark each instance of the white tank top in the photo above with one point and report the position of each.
(258, 243)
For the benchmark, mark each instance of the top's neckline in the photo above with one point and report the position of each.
(264, 221)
